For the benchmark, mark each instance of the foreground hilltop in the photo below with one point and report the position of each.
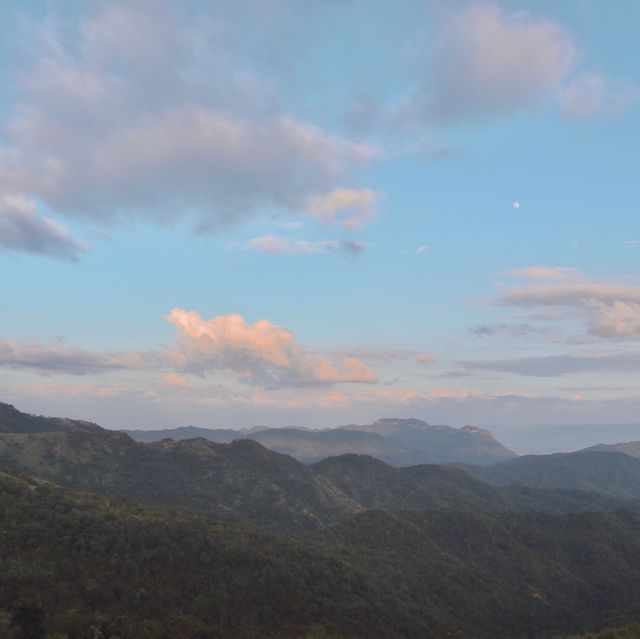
(14, 421)
(401, 442)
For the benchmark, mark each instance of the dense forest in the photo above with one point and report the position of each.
(102, 537)
(74, 561)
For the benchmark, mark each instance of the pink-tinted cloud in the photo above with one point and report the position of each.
(611, 310)
(349, 208)
(555, 274)
(594, 95)
(161, 123)
(171, 380)
(489, 62)
(261, 353)
(426, 359)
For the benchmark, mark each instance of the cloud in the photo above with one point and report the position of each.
(261, 353)
(558, 273)
(57, 358)
(22, 229)
(276, 245)
(501, 328)
(426, 359)
(171, 380)
(612, 310)
(592, 95)
(421, 250)
(563, 364)
(165, 122)
(487, 62)
(350, 208)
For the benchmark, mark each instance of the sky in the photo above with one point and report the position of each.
(276, 212)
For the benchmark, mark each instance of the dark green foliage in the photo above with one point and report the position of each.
(27, 622)
(130, 572)
(628, 632)
(133, 572)
(13, 421)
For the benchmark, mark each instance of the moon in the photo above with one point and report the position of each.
(516, 205)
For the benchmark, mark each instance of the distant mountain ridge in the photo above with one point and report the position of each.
(607, 472)
(628, 448)
(401, 442)
(246, 482)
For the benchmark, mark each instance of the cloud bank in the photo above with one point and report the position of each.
(146, 114)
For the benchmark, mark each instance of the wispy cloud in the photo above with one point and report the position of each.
(594, 95)
(58, 358)
(552, 274)
(610, 310)
(350, 208)
(24, 230)
(502, 329)
(276, 245)
(562, 364)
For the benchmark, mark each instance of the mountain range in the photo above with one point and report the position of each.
(198, 539)
(401, 442)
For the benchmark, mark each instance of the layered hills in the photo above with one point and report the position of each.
(105, 536)
(401, 442)
(607, 472)
(244, 481)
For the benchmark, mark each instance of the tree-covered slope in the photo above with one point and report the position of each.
(73, 561)
(14, 421)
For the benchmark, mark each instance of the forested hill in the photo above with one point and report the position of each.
(243, 481)
(15, 421)
(75, 561)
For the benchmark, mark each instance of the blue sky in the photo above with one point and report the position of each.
(287, 212)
